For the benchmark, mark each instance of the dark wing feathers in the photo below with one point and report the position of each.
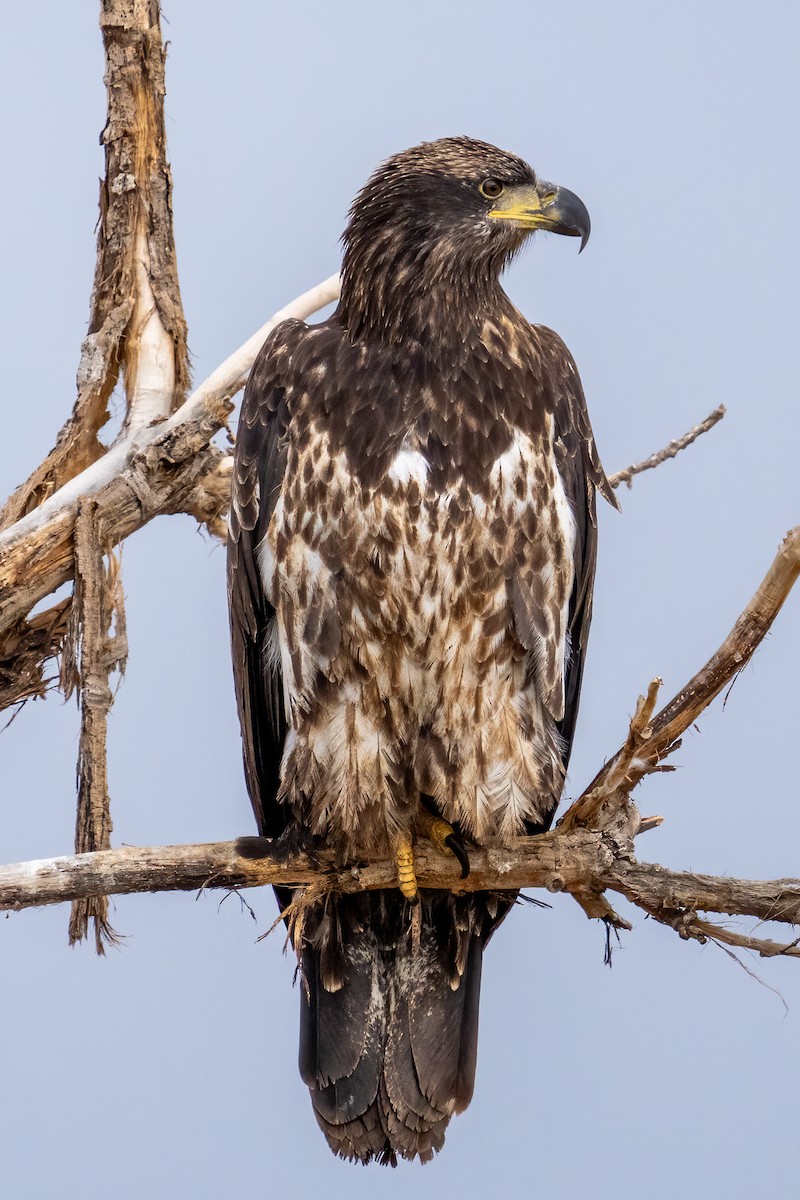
(259, 465)
(582, 475)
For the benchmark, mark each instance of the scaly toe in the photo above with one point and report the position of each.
(406, 875)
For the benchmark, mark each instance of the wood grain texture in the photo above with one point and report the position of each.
(135, 250)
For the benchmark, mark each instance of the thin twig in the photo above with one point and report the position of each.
(674, 448)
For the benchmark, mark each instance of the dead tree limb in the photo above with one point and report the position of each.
(652, 738)
(557, 861)
(136, 322)
(91, 653)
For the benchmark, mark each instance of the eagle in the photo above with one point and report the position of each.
(411, 563)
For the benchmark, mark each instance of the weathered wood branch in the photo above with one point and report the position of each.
(676, 897)
(578, 862)
(96, 646)
(136, 322)
(26, 650)
(733, 655)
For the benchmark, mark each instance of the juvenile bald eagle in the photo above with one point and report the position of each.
(411, 562)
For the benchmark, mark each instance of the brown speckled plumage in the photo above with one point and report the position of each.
(411, 562)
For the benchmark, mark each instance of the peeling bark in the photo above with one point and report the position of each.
(91, 654)
(25, 652)
(136, 277)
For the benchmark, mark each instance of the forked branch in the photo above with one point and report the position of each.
(653, 738)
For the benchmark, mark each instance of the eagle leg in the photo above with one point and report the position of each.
(406, 875)
(444, 837)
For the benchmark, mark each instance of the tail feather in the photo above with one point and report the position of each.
(388, 1034)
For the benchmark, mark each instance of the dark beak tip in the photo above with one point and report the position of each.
(574, 216)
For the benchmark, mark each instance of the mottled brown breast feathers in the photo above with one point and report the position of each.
(418, 501)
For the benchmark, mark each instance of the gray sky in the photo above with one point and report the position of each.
(170, 1068)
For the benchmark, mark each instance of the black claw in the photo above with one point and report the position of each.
(456, 845)
(253, 847)
(293, 841)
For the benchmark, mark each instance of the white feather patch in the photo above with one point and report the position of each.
(409, 464)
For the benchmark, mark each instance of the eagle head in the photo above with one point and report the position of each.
(444, 215)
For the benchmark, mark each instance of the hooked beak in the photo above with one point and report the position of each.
(544, 206)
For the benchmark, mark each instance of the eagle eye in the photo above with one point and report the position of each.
(491, 189)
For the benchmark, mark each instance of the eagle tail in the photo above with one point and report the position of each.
(389, 1019)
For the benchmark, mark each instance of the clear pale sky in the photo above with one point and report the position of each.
(169, 1069)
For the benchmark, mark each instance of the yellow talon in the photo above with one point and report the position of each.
(439, 831)
(445, 838)
(406, 876)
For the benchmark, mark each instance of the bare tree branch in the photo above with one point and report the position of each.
(136, 322)
(577, 862)
(670, 451)
(674, 898)
(654, 739)
(733, 655)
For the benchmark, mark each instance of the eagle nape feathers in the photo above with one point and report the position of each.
(411, 563)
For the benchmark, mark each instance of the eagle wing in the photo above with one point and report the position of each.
(259, 465)
(582, 476)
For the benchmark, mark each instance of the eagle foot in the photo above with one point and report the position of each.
(445, 838)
